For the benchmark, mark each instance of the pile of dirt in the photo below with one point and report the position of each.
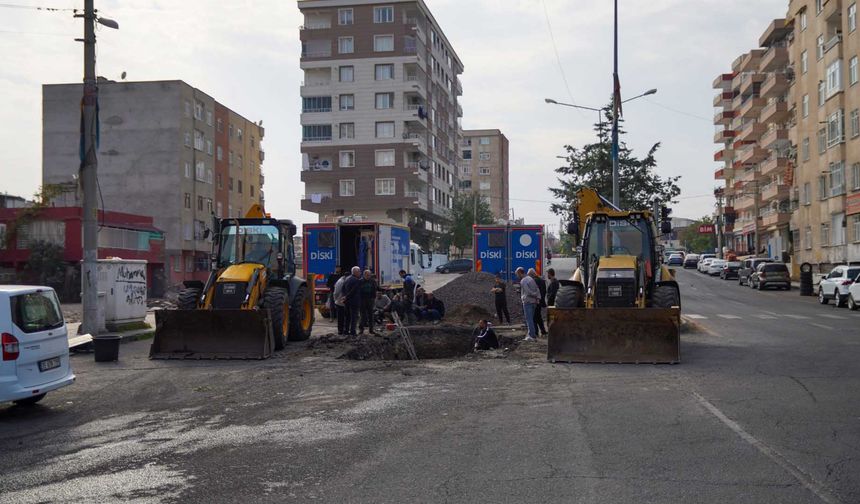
(474, 289)
(468, 314)
(160, 304)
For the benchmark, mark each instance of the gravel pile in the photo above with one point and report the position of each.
(474, 289)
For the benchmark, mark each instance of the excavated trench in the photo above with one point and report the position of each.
(444, 341)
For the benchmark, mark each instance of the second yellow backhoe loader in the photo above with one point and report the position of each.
(621, 305)
(252, 303)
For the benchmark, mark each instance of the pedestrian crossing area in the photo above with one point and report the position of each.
(761, 316)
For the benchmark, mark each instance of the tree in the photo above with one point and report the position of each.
(45, 265)
(591, 166)
(695, 241)
(462, 217)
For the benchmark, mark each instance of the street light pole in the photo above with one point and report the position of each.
(616, 105)
(89, 167)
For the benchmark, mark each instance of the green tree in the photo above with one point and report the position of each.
(462, 217)
(695, 241)
(591, 166)
(45, 265)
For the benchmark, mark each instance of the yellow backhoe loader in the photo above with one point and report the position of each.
(622, 305)
(252, 303)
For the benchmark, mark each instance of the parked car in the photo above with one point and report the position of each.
(35, 344)
(730, 270)
(675, 260)
(770, 274)
(704, 262)
(715, 267)
(854, 294)
(835, 285)
(691, 261)
(455, 266)
(748, 267)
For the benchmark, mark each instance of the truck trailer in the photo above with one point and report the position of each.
(500, 250)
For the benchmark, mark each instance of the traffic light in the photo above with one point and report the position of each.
(665, 220)
(665, 213)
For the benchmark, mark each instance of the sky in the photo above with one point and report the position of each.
(516, 53)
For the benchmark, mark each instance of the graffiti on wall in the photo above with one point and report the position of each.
(132, 281)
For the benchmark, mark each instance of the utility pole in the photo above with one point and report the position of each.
(89, 168)
(719, 227)
(616, 107)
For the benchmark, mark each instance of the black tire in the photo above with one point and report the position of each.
(760, 286)
(188, 298)
(30, 400)
(852, 305)
(300, 330)
(840, 301)
(666, 296)
(569, 296)
(822, 299)
(274, 300)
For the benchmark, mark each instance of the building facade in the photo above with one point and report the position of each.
(380, 114)
(788, 121)
(165, 151)
(485, 169)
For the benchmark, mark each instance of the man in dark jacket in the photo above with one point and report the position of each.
(367, 291)
(552, 287)
(539, 308)
(484, 337)
(330, 281)
(352, 293)
(433, 310)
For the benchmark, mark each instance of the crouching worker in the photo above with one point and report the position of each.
(485, 337)
(433, 309)
(381, 307)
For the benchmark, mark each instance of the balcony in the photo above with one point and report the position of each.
(314, 201)
(724, 135)
(751, 131)
(751, 107)
(319, 24)
(723, 81)
(774, 58)
(723, 155)
(774, 113)
(745, 203)
(773, 137)
(750, 61)
(751, 155)
(778, 219)
(720, 174)
(419, 199)
(774, 165)
(774, 192)
(723, 97)
(724, 117)
(776, 84)
(749, 81)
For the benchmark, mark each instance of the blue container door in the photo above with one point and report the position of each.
(491, 251)
(527, 248)
(321, 251)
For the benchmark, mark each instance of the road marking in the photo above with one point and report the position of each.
(822, 326)
(767, 317)
(805, 479)
(834, 317)
(695, 316)
(730, 317)
(797, 317)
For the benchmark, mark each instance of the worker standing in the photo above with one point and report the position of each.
(340, 306)
(367, 292)
(541, 284)
(501, 300)
(552, 287)
(352, 299)
(330, 282)
(530, 296)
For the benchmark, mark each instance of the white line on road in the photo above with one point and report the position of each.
(797, 317)
(767, 317)
(822, 326)
(730, 317)
(696, 316)
(834, 317)
(805, 479)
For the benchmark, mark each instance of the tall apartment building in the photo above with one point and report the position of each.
(380, 113)
(485, 168)
(166, 150)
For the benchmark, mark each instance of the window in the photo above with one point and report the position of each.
(383, 14)
(467, 154)
(819, 6)
(852, 71)
(209, 208)
(385, 130)
(383, 43)
(209, 117)
(804, 149)
(230, 185)
(855, 176)
(804, 105)
(252, 191)
(855, 224)
(385, 187)
(347, 159)
(200, 203)
(484, 156)
(345, 45)
(821, 92)
(807, 194)
(187, 108)
(239, 134)
(484, 186)
(209, 147)
(188, 139)
(316, 132)
(219, 210)
(346, 73)
(347, 188)
(384, 72)
(385, 158)
(483, 170)
(822, 187)
(804, 62)
(239, 187)
(834, 78)
(220, 181)
(485, 140)
(852, 17)
(219, 125)
(807, 237)
(200, 174)
(198, 140)
(347, 130)
(384, 100)
(345, 17)
(837, 178)
(855, 123)
(219, 153)
(822, 140)
(187, 170)
(188, 200)
(804, 22)
(825, 234)
(198, 110)
(467, 171)
(835, 128)
(819, 47)
(347, 102)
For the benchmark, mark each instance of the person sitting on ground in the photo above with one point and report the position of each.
(399, 307)
(419, 302)
(484, 336)
(381, 306)
(434, 309)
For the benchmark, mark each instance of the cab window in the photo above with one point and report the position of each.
(37, 311)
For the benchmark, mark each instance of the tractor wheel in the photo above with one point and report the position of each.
(301, 316)
(569, 296)
(188, 298)
(275, 300)
(666, 296)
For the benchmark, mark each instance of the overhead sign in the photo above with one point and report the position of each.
(706, 229)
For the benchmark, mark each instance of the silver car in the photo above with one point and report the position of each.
(835, 285)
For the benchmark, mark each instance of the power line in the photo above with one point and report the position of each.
(694, 116)
(34, 7)
(557, 57)
(12, 32)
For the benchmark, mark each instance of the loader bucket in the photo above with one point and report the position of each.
(615, 335)
(212, 334)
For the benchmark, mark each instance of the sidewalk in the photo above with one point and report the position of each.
(125, 336)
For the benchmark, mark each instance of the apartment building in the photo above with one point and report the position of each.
(380, 113)
(485, 168)
(165, 151)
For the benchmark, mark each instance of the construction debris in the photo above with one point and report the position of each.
(474, 289)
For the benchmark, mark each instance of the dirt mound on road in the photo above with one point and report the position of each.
(473, 289)
(468, 314)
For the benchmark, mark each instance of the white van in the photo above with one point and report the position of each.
(34, 354)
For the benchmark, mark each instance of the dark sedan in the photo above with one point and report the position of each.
(455, 266)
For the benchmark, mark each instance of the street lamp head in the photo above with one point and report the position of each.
(550, 100)
(650, 92)
(110, 23)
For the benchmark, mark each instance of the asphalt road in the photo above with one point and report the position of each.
(763, 409)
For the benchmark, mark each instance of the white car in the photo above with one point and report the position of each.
(35, 344)
(854, 294)
(715, 267)
(835, 285)
(704, 263)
